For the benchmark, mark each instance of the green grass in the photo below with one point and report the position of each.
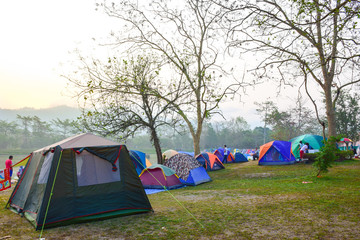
(244, 201)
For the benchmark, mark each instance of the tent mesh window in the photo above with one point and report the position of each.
(92, 170)
(45, 168)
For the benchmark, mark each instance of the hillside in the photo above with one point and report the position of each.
(45, 114)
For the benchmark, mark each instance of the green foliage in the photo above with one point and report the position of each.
(327, 155)
(310, 156)
(344, 155)
(30, 132)
(348, 115)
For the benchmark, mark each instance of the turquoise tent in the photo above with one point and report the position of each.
(315, 142)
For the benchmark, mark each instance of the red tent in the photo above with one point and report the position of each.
(159, 176)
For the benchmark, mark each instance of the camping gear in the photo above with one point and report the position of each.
(209, 161)
(158, 176)
(20, 171)
(169, 153)
(345, 144)
(188, 169)
(276, 153)
(5, 179)
(220, 154)
(139, 160)
(345, 140)
(239, 157)
(315, 142)
(82, 178)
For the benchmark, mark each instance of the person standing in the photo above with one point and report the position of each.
(8, 165)
(225, 154)
(303, 150)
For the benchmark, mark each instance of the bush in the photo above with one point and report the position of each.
(310, 156)
(344, 155)
(327, 155)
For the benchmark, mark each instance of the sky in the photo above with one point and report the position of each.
(38, 39)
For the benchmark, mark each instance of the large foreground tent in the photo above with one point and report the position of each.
(276, 153)
(315, 142)
(81, 178)
(188, 169)
(158, 176)
(209, 161)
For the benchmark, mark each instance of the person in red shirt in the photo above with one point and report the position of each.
(8, 164)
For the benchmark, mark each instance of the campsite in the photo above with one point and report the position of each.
(173, 119)
(243, 201)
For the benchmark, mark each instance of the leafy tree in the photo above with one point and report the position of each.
(264, 109)
(188, 38)
(121, 99)
(311, 39)
(283, 126)
(65, 127)
(26, 123)
(258, 136)
(209, 137)
(327, 155)
(291, 122)
(8, 134)
(348, 115)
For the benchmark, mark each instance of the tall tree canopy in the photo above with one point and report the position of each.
(188, 37)
(348, 115)
(317, 40)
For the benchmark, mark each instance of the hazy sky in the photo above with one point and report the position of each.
(37, 37)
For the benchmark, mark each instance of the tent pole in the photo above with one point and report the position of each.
(51, 193)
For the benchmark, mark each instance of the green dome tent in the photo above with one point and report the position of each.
(82, 178)
(315, 142)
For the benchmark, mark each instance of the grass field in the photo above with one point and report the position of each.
(244, 201)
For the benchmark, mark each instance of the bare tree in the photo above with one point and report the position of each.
(189, 39)
(317, 40)
(120, 98)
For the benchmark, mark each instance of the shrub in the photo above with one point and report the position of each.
(327, 155)
(344, 155)
(310, 156)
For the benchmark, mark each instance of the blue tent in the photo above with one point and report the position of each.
(188, 153)
(209, 161)
(239, 157)
(188, 169)
(196, 177)
(139, 160)
(276, 153)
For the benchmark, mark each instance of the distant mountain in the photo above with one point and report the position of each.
(45, 114)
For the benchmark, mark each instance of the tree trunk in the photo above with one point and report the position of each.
(156, 143)
(330, 111)
(196, 141)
